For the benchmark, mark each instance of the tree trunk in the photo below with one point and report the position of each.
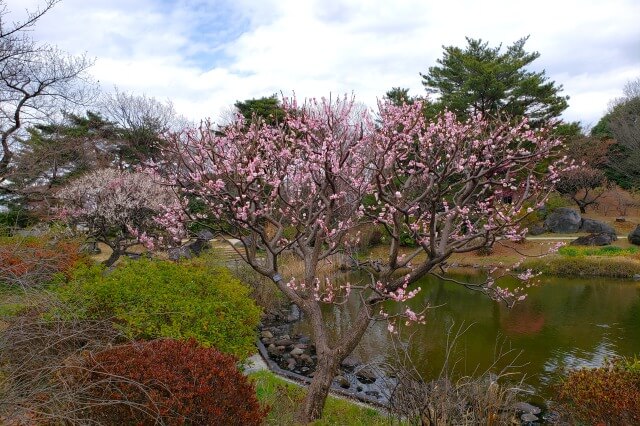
(583, 208)
(329, 359)
(318, 390)
(115, 255)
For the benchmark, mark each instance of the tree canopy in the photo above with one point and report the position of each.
(622, 124)
(483, 79)
(305, 186)
(267, 108)
(36, 81)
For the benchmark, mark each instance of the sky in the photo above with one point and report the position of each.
(205, 55)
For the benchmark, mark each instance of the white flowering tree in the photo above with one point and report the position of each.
(304, 185)
(117, 208)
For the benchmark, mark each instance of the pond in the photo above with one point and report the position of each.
(564, 323)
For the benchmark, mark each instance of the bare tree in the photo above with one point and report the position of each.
(141, 122)
(36, 81)
(622, 123)
(584, 185)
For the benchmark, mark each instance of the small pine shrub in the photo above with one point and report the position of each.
(152, 299)
(28, 262)
(169, 382)
(608, 395)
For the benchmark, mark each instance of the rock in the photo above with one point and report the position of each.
(266, 334)
(536, 230)
(306, 359)
(204, 234)
(350, 362)
(597, 227)
(563, 220)
(525, 407)
(634, 236)
(297, 352)
(198, 246)
(621, 219)
(272, 350)
(300, 346)
(529, 418)
(280, 349)
(373, 393)
(601, 239)
(178, 253)
(304, 339)
(366, 375)
(636, 277)
(283, 342)
(342, 382)
(291, 364)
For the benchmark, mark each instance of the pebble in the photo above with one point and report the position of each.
(297, 352)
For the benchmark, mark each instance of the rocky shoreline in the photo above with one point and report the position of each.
(292, 355)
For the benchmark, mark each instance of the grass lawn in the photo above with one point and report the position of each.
(284, 398)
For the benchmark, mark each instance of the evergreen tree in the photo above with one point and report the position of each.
(267, 108)
(483, 79)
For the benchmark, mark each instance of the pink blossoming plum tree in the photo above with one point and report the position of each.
(302, 186)
(118, 208)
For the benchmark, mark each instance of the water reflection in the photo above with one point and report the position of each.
(563, 324)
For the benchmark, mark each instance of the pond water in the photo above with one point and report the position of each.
(564, 323)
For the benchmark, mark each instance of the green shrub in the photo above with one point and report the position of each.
(574, 251)
(150, 299)
(603, 266)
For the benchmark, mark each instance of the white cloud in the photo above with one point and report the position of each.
(205, 55)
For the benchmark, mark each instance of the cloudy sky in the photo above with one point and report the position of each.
(204, 55)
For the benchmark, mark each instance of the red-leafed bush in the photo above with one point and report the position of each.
(608, 395)
(27, 262)
(175, 381)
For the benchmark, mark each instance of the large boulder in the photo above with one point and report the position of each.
(537, 229)
(600, 239)
(563, 220)
(204, 234)
(597, 227)
(198, 246)
(179, 253)
(634, 236)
